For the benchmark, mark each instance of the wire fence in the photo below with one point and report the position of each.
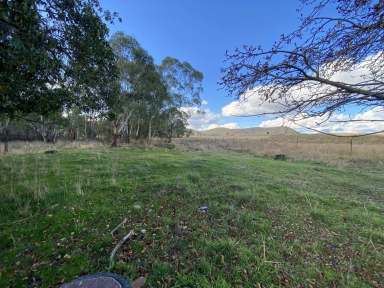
(301, 146)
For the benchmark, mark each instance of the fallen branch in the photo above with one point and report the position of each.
(117, 247)
(118, 226)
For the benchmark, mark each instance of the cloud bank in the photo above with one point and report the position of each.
(332, 125)
(205, 119)
(253, 102)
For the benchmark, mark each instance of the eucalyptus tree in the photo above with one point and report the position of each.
(141, 90)
(183, 81)
(185, 85)
(173, 123)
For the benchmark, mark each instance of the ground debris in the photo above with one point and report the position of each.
(203, 209)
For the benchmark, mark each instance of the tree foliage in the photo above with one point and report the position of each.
(54, 54)
(183, 81)
(61, 77)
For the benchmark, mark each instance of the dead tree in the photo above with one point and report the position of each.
(301, 72)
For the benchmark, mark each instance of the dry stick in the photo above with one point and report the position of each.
(121, 242)
(118, 226)
(15, 222)
(264, 255)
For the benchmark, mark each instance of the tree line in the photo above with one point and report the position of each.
(62, 76)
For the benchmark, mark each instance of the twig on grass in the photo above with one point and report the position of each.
(264, 254)
(118, 226)
(117, 247)
(18, 221)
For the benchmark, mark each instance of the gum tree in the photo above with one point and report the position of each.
(184, 84)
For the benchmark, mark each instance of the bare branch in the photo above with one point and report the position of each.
(117, 247)
(118, 226)
(314, 60)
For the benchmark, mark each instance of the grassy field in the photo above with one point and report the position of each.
(269, 224)
(313, 147)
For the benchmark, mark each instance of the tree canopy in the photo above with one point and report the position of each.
(54, 54)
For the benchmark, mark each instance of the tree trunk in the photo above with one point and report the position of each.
(149, 131)
(72, 134)
(6, 137)
(138, 129)
(128, 133)
(44, 138)
(170, 132)
(54, 136)
(115, 135)
(85, 129)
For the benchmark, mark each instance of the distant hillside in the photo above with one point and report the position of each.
(246, 132)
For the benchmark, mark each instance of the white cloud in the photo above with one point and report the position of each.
(231, 125)
(204, 102)
(253, 102)
(363, 71)
(200, 118)
(203, 119)
(249, 104)
(331, 125)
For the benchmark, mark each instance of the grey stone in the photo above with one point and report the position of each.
(203, 209)
(280, 157)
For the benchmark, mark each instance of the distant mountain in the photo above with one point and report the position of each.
(246, 132)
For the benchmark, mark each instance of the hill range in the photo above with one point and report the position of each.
(245, 132)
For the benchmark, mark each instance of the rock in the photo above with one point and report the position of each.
(281, 157)
(203, 209)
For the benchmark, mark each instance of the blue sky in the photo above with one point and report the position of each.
(201, 31)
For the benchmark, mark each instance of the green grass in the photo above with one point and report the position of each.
(270, 223)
